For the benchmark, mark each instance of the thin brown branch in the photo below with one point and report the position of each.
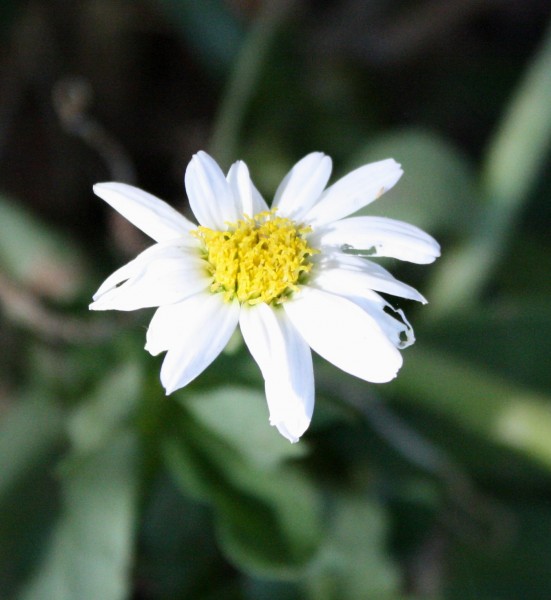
(24, 308)
(72, 99)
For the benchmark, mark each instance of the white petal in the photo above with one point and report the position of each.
(351, 285)
(353, 274)
(344, 334)
(247, 197)
(168, 322)
(162, 281)
(172, 249)
(378, 236)
(194, 331)
(397, 330)
(209, 194)
(354, 191)
(153, 216)
(302, 186)
(163, 332)
(286, 364)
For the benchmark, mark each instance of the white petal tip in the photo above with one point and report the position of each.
(151, 351)
(392, 166)
(436, 250)
(106, 187)
(175, 385)
(293, 439)
(390, 378)
(169, 390)
(431, 258)
(293, 434)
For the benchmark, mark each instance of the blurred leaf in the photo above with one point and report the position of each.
(515, 157)
(243, 82)
(267, 520)
(464, 453)
(512, 341)
(239, 416)
(29, 515)
(519, 149)
(438, 189)
(352, 562)
(35, 255)
(91, 548)
(273, 529)
(29, 433)
(477, 400)
(178, 553)
(31, 437)
(98, 418)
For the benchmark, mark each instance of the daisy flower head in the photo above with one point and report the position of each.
(293, 277)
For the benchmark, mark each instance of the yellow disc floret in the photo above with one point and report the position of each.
(260, 259)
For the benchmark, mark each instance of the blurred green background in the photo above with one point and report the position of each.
(436, 486)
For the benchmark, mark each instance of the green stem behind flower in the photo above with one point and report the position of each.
(243, 80)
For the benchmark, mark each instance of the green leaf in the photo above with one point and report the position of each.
(243, 82)
(239, 416)
(468, 394)
(36, 255)
(29, 433)
(520, 146)
(90, 552)
(267, 520)
(437, 191)
(515, 158)
(111, 405)
(509, 340)
(31, 438)
(178, 553)
(353, 563)
(274, 529)
(29, 515)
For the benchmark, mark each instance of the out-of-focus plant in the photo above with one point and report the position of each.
(434, 486)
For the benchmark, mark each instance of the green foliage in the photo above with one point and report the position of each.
(352, 561)
(266, 512)
(31, 438)
(438, 191)
(433, 487)
(91, 546)
(36, 255)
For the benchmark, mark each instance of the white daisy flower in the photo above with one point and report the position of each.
(294, 277)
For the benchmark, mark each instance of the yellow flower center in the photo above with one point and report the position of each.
(260, 259)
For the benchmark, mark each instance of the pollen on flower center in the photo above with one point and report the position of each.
(260, 259)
